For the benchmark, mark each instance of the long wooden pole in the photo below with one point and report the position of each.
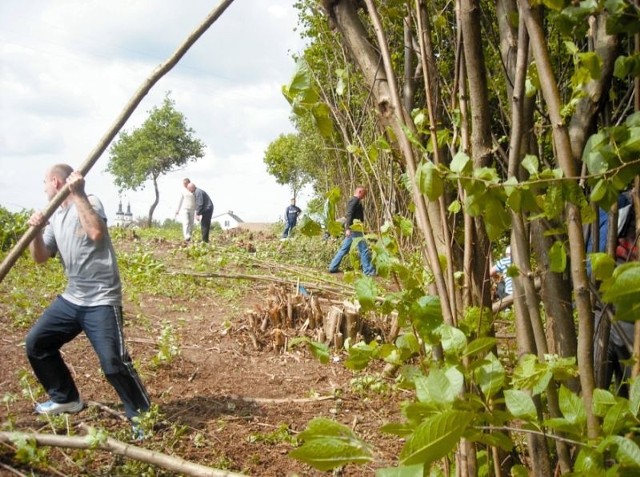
(128, 110)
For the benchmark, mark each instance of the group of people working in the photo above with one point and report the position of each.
(92, 300)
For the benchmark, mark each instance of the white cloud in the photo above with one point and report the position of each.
(68, 68)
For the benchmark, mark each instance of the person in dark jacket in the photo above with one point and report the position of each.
(291, 214)
(204, 210)
(620, 343)
(355, 212)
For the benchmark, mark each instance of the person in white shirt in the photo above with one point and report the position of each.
(187, 206)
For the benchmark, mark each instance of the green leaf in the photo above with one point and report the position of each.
(520, 404)
(439, 388)
(320, 351)
(557, 257)
(436, 437)
(429, 180)
(328, 453)
(592, 62)
(624, 292)
(366, 291)
(397, 429)
(490, 376)
(416, 470)
(602, 401)
(453, 340)
(495, 439)
(625, 450)
(308, 227)
(602, 265)
(617, 419)
(408, 341)
(479, 345)
(571, 406)
(360, 354)
(322, 119)
(531, 164)
(426, 313)
(589, 462)
(329, 444)
(461, 164)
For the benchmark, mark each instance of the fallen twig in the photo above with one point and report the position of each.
(117, 447)
(284, 400)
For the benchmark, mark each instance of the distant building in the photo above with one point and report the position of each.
(228, 220)
(124, 219)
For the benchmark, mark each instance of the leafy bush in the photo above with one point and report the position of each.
(12, 227)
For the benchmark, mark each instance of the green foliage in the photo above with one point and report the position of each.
(162, 144)
(281, 434)
(168, 348)
(304, 99)
(285, 159)
(624, 291)
(28, 452)
(140, 266)
(12, 227)
(329, 444)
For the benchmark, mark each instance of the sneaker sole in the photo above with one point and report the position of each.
(70, 410)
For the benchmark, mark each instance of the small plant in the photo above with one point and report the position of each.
(147, 421)
(31, 389)
(167, 346)
(368, 383)
(281, 434)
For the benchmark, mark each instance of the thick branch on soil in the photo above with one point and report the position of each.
(114, 446)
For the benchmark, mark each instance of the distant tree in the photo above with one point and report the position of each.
(162, 144)
(286, 159)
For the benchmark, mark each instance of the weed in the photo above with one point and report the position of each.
(167, 346)
(279, 435)
(368, 383)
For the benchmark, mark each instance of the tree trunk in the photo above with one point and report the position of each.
(577, 255)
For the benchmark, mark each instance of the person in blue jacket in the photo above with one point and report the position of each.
(291, 214)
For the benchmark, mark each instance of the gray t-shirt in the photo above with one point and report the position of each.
(91, 267)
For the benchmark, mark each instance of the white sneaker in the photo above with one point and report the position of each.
(51, 407)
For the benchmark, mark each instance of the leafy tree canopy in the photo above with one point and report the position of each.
(163, 143)
(285, 160)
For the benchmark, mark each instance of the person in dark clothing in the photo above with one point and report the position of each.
(355, 211)
(291, 214)
(204, 210)
(91, 302)
(619, 346)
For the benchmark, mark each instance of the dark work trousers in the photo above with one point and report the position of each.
(102, 325)
(205, 224)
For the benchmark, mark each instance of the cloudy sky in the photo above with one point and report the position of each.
(68, 68)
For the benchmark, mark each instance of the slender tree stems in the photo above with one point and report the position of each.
(574, 222)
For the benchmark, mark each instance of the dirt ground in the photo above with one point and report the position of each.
(232, 399)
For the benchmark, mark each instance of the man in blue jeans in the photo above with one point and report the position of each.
(91, 302)
(355, 211)
(291, 214)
